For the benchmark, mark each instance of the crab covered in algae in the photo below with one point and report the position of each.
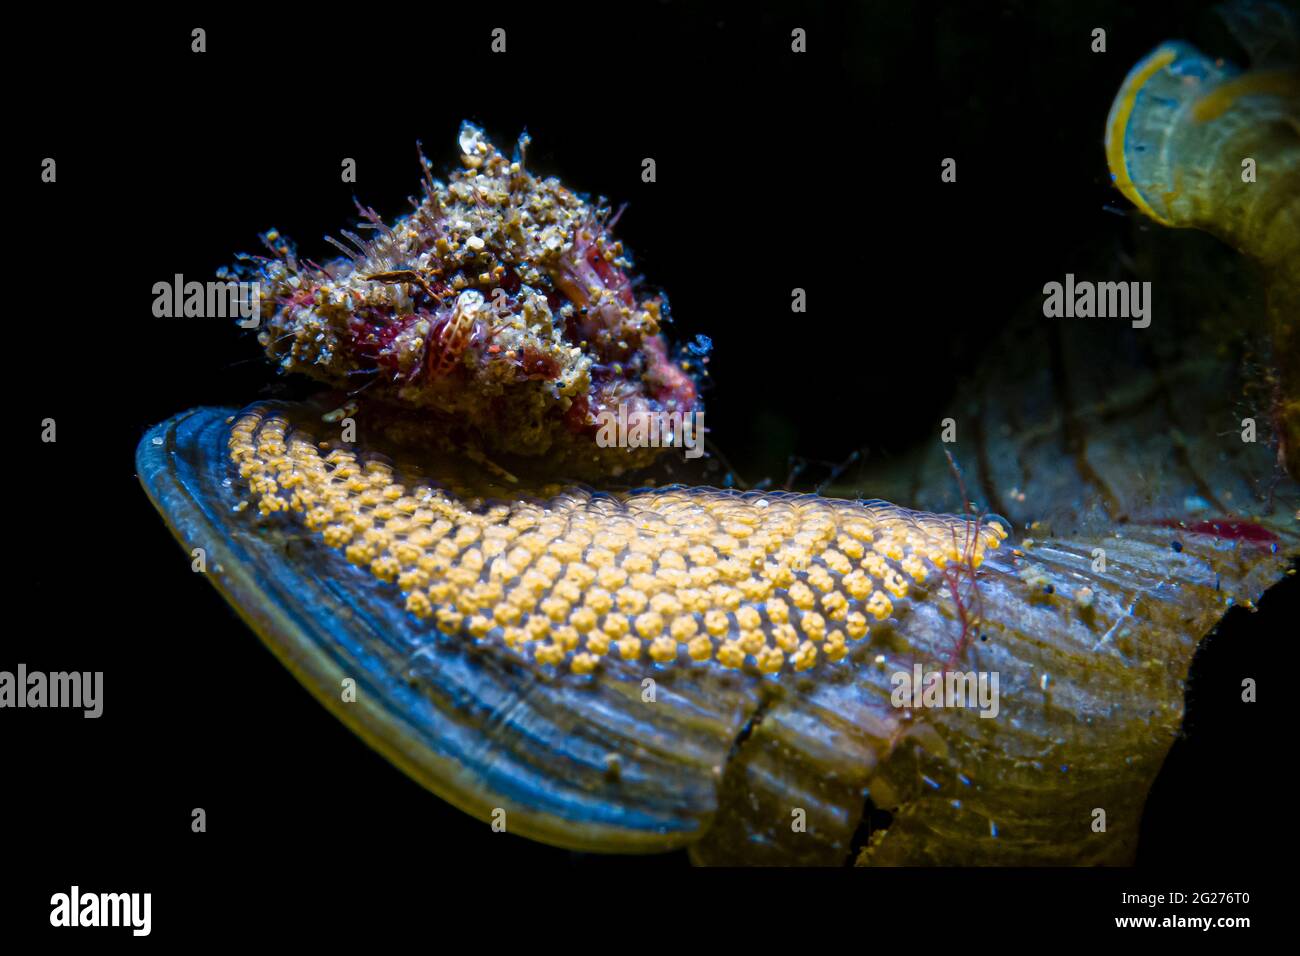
(498, 313)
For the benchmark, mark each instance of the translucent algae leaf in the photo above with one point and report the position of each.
(722, 752)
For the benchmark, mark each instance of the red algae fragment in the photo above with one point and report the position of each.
(1225, 529)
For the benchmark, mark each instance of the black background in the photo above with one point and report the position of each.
(775, 170)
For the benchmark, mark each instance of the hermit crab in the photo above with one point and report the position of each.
(506, 609)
